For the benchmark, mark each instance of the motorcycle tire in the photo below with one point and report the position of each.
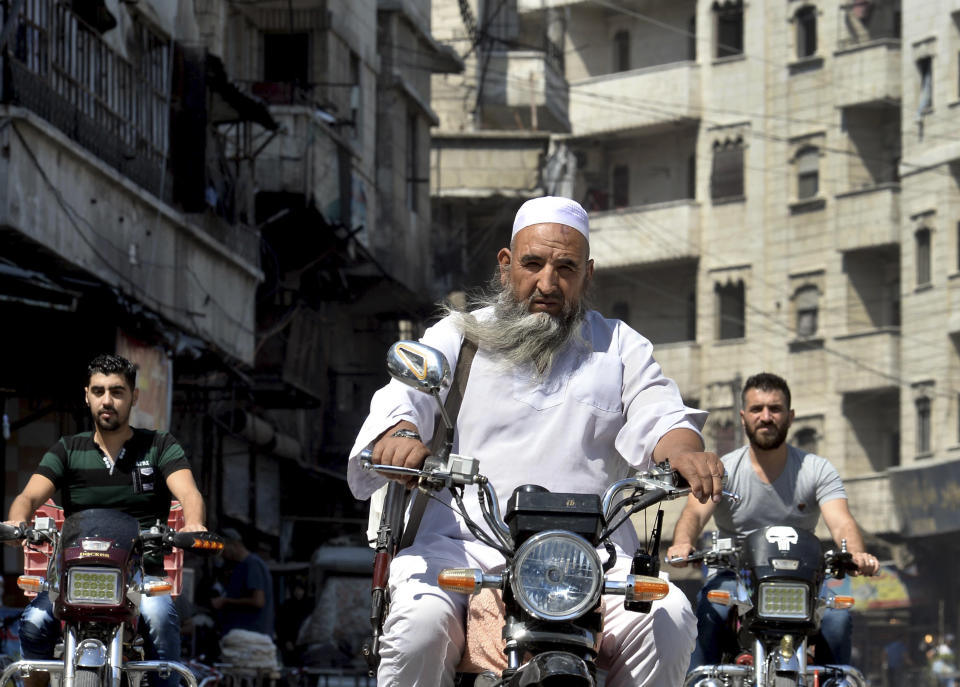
(86, 677)
(779, 680)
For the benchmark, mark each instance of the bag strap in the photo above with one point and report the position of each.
(452, 405)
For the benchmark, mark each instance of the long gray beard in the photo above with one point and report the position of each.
(517, 337)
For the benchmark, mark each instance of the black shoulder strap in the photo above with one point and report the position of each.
(452, 405)
(455, 396)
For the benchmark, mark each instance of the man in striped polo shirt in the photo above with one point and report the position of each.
(117, 466)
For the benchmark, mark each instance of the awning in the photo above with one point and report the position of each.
(927, 497)
(26, 287)
(230, 104)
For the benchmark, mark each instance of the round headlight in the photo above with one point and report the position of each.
(556, 576)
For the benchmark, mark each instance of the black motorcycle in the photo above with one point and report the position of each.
(554, 578)
(779, 604)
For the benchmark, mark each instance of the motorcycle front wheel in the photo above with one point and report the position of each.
(87, 677)
(784, 680)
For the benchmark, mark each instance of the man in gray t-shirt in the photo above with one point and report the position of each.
(778, 484)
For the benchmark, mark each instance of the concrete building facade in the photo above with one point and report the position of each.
(771, 186)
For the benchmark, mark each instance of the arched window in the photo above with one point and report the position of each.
(731, 311)
(729, 22)
(806, 20)
(621, 51)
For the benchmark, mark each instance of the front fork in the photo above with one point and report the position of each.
(90, 653)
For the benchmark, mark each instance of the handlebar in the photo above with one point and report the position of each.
(659, 484)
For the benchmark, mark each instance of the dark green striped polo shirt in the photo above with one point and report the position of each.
(136, 484)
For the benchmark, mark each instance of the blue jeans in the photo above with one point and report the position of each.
(833, 644)
(40, 632)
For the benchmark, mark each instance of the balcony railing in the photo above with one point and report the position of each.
(681, 362)
(871, 501)
(645, 234)
(868, 73)
(622, 101)
(62, 70)
(868, 360)
(868, 218)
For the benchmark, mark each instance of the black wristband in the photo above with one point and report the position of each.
(406, 434)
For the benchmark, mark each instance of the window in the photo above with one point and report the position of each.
(621, 51)
(355, 94)
(923, 256)
(621, 186)
(730, 311)
(925, 68)
(692, 39)
(923, 425)
(726, 177)
(806, 303)
(806, 440)
(412, 162)
(286, 58)
(806, 19)
(729, 19)
(621, 311)
(808, 172)
(725, 437)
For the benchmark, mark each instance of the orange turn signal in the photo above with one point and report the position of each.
(718, 596)
(842, 602)
(31, 583)
(462, 580)
(646, 588)
(207, 544)
(158, 588)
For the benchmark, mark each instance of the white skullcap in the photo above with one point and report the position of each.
(552, 209)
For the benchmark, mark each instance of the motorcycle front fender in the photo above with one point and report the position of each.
(552, 666)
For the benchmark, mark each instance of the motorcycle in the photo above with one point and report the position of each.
(95, 581)
(553, 579)
(779, 603)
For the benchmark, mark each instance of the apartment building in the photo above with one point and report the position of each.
(234, 195)
(772, 186)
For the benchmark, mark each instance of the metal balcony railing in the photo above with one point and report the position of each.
(60, 68)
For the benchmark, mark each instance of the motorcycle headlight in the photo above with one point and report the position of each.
(556, 576)
(784, 600)
(93, 586)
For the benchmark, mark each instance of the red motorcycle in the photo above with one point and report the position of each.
(95, 580)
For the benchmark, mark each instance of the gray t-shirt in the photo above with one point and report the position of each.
(794, 498)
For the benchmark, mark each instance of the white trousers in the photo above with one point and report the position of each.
(424, 631)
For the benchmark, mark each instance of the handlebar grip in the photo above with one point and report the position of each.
(203, 542)
(10, 532)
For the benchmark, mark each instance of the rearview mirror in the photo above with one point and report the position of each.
(419, 366)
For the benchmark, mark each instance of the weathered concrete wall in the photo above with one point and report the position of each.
(70, 202)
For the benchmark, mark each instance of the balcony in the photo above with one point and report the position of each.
(867, 360)
(528, 84)
(300, 161)
(868, 73)
(681, 362)
(868, 218)
(482, 163)
(645, 234)
(871, 502)
(641, 100)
